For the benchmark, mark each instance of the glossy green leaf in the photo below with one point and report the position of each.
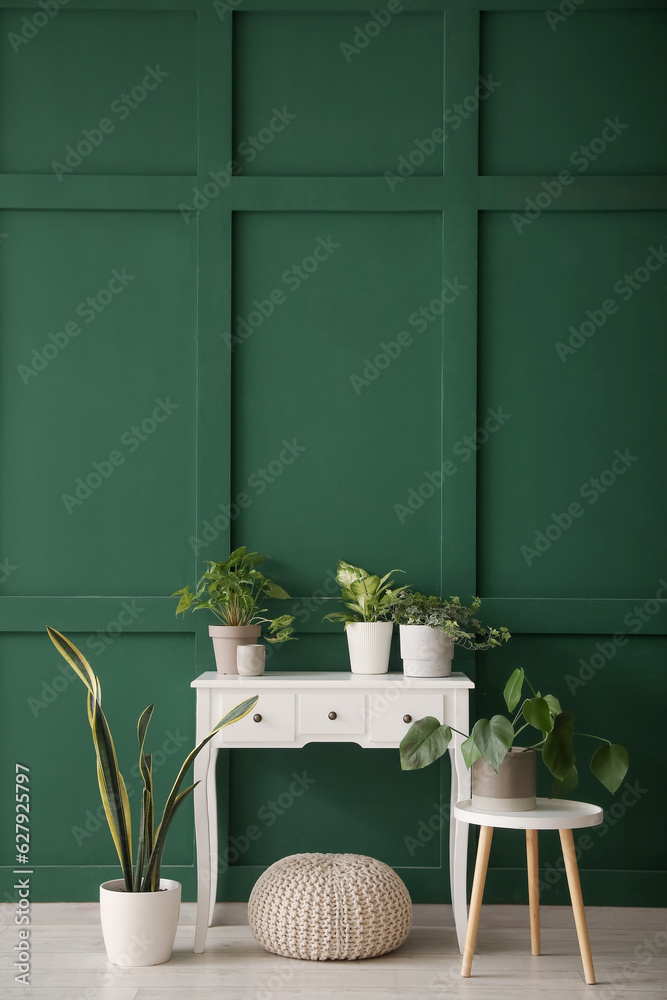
(470, 752)
(567, 785)
(493, 738)
(553, 703)
(536, 713)
(610, 764)
(558, 752)
(425, 741)
(512, 692)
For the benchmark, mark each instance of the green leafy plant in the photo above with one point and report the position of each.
(491, 739)
(368, 598)
(458, 620)
(145, 875)
(233, 590)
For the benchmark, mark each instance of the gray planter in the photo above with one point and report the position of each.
(251, 660)
(426, 651)
(511, 789)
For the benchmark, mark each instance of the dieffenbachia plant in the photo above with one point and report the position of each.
(491, 739)
(368, 598)
(145, 876)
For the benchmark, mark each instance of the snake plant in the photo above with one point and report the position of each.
(145, 876)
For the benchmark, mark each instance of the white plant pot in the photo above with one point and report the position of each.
(227, 639)
(139, 928)
(426, 651)
(369, 644)
(251, 660)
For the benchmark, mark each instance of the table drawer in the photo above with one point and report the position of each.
(315, 710)
(387, 720)
(276, 723)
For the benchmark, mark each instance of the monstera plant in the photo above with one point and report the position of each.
(549, 731)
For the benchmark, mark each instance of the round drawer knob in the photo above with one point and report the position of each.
(407, 718)
(333, 715)
(257, 718)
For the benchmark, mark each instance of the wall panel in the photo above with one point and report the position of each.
(570, 324)
(96, 421)
(348, 373)
(276, 128)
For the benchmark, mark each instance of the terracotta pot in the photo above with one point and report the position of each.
(511, 789)
(227, 639)
(426, 651)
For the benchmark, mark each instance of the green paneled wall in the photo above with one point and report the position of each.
(237, 255)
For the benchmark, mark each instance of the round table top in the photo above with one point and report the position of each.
(550, 814)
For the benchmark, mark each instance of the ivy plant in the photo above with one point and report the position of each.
(233, 590)
(458, 620)
(551, 730)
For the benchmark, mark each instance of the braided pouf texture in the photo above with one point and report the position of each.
(329, 906)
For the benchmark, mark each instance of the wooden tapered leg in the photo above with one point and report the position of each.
(533, 890)
(481, 865)
(570, 858)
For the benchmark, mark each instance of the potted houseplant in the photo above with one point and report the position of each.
(232, 591)
(139, 912)
(430, 628)
(368, 624)
(503, 772)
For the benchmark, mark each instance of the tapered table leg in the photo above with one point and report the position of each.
(570, 858)
(481, 865)
(533, 890)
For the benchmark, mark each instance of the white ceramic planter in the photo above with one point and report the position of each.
(369, 644)
(251, 660)
(426, 651)
(227, 639)
(139, 928)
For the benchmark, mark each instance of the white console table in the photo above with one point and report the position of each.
(373, 710)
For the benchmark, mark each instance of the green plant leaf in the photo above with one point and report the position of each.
(110, 780)
(557, 752)
(425, 741)
(346, 573)
(145, 843)
(186, 601)
(568, 784)
(470, 752)
(493, 738)
(610, 765)
(275, 591)
(536, 712)
(512, 692)
(553, 703)
(174, 800)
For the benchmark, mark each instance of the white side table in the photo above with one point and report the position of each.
(551, 814)
(372, 710)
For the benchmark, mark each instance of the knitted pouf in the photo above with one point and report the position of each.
(320, 906)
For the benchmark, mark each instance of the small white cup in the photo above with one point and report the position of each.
(251, 660)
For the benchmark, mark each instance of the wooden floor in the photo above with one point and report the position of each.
(69, 963)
